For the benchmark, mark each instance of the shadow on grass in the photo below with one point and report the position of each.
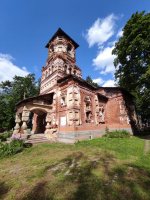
(4, 189)
(129, 182)
(118, 182)
(88, 184)
(39, 192)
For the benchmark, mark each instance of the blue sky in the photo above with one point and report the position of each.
(27, 25)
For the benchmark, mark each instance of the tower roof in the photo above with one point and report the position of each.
(60, 32)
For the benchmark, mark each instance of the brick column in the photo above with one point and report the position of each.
(17, 126)
(48, 125)
(25, 117)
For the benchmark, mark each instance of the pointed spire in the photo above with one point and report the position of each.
(60, 32)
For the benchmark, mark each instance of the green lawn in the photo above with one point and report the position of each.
(99, 169)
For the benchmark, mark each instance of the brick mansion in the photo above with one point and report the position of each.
(68, 108)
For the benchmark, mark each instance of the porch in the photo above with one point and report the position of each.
(36, 115)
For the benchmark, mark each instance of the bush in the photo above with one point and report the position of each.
(117, 134)
(15, 146)
(5, 135)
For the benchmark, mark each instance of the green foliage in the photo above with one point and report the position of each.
(25, 86)
(106, 130)
(133, 61)
(90, 81)
(8, 149)
(13, 92)
(117, 134)
(5, 135)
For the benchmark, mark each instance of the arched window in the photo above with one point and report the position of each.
(70, 70)
(88, 113)
(69, 47)
(52, 48)
(65, 69)
(52, 68)
(63, 101)
(74, 72)
(88, 117)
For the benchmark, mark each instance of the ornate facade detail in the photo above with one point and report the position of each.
(88, 109)
(101, 114)
(25, 118)
(51, 121)
(99, 111)
(17, 126)
(73, 96)
(73, 117)
(63, 99)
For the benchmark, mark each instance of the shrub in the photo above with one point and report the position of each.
(5, 135)
(117, 134)
(106, 130)
(15, 146)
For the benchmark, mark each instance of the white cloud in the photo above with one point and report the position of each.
(105, 83)
(6, 56)
(98, 81)
(120, 33)
(8, 69)
(104, 61)
(103, 33)
(24, 68)
(100, 33)
(101, 30)
(109, 83)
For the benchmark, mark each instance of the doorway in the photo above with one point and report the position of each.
(41, 123)
(37, 121)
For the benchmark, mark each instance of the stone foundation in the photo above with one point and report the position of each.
(72, 137)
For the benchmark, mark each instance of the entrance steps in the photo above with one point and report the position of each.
(37, 138)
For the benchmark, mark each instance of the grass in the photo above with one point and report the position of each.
(105, 168)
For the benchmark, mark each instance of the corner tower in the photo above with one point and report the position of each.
(61, 60)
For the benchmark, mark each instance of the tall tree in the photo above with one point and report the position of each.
(90, 81)
(133, 61)
(13, 92)
(25, 86)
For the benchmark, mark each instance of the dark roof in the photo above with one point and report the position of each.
(80, 80)
(60, 32)
(124, 91)
(74, 77)
(102, 96)
(43, 97)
